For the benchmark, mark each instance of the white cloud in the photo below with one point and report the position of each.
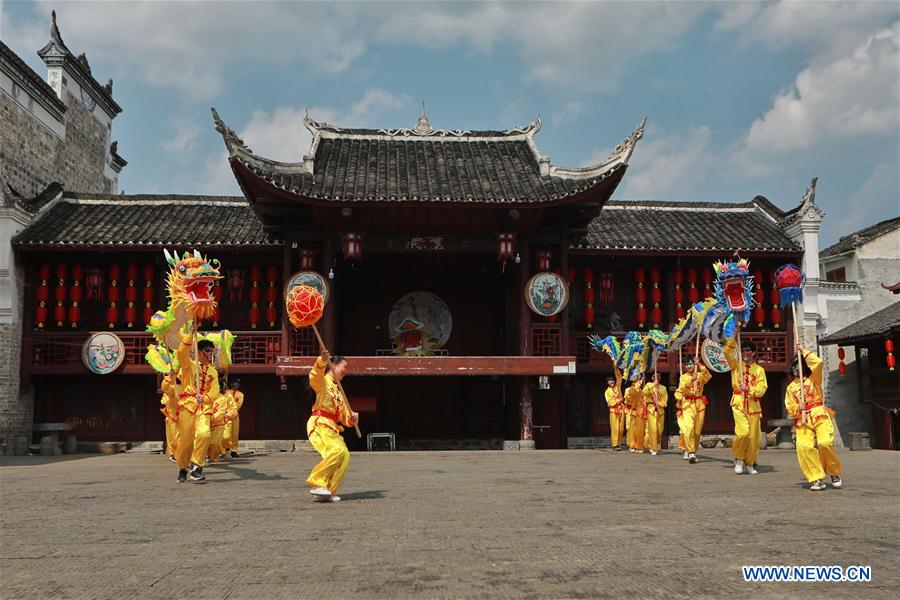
(184, 139)
(570, 111)
(666, 166)
(281, 134)
(876, 196)
(856, 96)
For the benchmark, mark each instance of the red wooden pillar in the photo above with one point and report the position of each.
(526, 406)
(285, 275)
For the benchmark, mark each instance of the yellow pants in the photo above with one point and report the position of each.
(616, 427)
(698, 424)
(816, 463)
(235, 428)
(215, 443)
(679, 418)
(636, 431)
(746, 436)
(330, 471)
(201, 439)
(171, 435)
(693, 424)
(225, 442)
(655, 424)
(184, 444)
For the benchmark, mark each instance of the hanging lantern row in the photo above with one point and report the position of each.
(678, 278)
(589, 298)
(640, 296)
(68, 294)
(842, 368)
(889, 348)
(255, 295)
(775, 301)
(271, 295)
(655, 298)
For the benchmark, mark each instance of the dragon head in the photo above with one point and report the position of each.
(190, 283)
(734, 286)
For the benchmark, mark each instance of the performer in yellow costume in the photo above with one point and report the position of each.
(234, 426)
(748, 387)
(218, 422)
(634, 404)
(195, 407)
(693, 405)
(169, 410)
(812, 423)
(655, 400)
(324, 427)
(616, 405)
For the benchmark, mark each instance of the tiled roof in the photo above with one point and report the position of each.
(685, 227)
(155, 221)
(425, 165)
(143, 220)
(876, 324)
(858, 238)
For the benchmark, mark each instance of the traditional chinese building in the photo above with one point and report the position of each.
(427, 239)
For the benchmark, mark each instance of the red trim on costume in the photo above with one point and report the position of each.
(328, 415)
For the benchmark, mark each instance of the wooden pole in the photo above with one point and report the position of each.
(340, 387)
(799, 366)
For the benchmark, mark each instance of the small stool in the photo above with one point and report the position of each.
(392, 443)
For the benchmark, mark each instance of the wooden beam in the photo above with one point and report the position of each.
(438, 365)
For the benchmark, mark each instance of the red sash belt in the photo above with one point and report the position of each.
(328, 415)
(696, 398)
(813, 405)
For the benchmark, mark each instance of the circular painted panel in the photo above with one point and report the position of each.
(547, 294)
(714, 357)
(103, 353)
(313, 279)
(424, 313)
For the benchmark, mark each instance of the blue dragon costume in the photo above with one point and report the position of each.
(717, 318)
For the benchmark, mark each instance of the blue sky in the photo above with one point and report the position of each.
(742, 98)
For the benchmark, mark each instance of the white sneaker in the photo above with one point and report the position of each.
(817, 486)
(320, 491)
(632, 450)
(692, 458)
(653, 453)
(836, 482)
(738, 466)
(334, 498)
(685, 456)
(751, 470)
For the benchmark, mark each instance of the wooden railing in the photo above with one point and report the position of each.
(772, 347)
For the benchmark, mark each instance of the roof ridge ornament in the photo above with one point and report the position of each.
(232, 140)
(625, 148)
(54, 31)
(529, 129)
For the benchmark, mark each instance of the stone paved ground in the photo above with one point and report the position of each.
(546, 524)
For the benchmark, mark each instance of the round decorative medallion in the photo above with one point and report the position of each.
(547, 294)
(103, 353)
(714, 357)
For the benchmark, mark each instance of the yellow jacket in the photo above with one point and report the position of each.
(187, 375)
(655, 398)
(614, 399)
(237, 402)
(755, 377)
(815, 409)
(634, 399)
(330, 408)
(691, 389)
(169, 399)
(220, 415)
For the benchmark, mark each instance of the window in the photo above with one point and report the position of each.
(836, 275)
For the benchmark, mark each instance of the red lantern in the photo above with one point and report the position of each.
(589, 298)
(254, 316)
(639, 275)
(112, 315)
(307, 259)
(776, 316)
(571, 274)
(131, 274)
(841, 353)
(679, 297)
(655, 294)
(707, 281)
(148, 314)
(59, 314)
(115, 272)
(656, 316)
(679, 313)
(40, 315)
(352, 246)
(77, 288)
(641, 316)
(889, 345)
(678, 276)
(544, 261)
(759, 315)
(693, 292)
(304, 306)
(889, 348)
(130, 315)
(842, 368)
(271, 314)
(774, 296)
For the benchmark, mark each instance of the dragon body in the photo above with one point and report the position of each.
(717, 318)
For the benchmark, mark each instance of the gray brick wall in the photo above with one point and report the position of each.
(16, 401)
(31, 157)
